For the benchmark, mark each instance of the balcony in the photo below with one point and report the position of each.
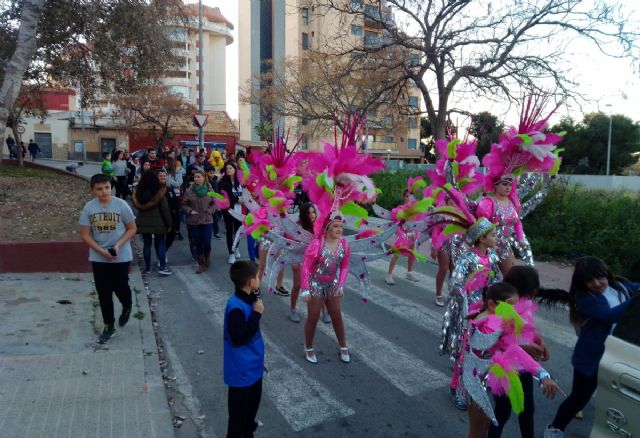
(382, 147)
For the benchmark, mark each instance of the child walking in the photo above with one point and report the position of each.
(597, 299)
(493, 357)
(107, 225)
(243, 350)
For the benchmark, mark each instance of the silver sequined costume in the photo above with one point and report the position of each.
(324, 276)
(460, 299)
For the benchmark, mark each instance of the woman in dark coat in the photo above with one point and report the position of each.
(153, 219)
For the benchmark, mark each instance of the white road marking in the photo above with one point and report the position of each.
(301, 400)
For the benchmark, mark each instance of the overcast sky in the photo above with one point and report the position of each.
(601, 79)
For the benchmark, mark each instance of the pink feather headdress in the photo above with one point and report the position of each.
(274, 174)
(526, 148)
(336, 180)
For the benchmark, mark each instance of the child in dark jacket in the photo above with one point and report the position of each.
(243, 350)
(597, 299)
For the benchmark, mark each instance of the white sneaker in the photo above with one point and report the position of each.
(237, 254)
(389, 280)
(552, 432)
(411, 277)
(232, 259)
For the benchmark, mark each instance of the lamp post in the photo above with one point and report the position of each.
(609, 141)
(200, 75)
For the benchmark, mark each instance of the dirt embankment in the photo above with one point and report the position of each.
(38, 204)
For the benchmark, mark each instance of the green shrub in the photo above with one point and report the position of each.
(573, 222)
(392, 184)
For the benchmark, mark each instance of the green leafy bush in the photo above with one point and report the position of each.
(393, 184)
(573, 222)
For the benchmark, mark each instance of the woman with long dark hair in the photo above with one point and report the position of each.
(153, 219)
(230, 184)
(306, 220)
(597, 299)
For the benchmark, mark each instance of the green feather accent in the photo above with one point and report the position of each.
(291, 182)
(508, 313)
(418, 256)
(463, 182)
(525, 138)
(562, 134)
(378, 191)
(456, 169)
(518, 171)
(324, 181)
(516, 393)
(276, 202)
(422, 205)
(272, 173)
(215, 195)
(245, 171)
(267, 192)
(353, 209)
(258, 232)
(249, 219)
(452, 229)
(419, 184)
(451, 148)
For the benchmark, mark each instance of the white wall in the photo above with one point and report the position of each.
(631, 183)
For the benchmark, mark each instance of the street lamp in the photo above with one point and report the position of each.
(609, 141)
(200, 76)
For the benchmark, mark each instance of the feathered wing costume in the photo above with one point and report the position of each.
(458, 167)
(493, 357)
(336, 182)
(520, 150)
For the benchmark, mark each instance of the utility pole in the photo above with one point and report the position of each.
(84, 142)
(200, 75)
(609, 142)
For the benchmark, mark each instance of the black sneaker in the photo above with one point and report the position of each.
(107, 333)
(124, 316)
(281, 291)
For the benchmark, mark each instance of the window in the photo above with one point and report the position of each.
(372, 12)
(388, 139)
(626, 329)
(414, 59)
(305, 41)
(356, 30)
(413, 122)
(356, 4)
(412, 143)
(371, 40)
(305, 16)
(413, 101)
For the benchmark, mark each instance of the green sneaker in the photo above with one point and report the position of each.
(124, 316)
(107, 333)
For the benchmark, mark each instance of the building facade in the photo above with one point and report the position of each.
(272, 32)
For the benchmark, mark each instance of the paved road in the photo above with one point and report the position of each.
(396, 385)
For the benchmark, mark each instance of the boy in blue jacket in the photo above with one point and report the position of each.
(243, 350)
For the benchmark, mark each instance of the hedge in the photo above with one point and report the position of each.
(392, 184)
(573, 221)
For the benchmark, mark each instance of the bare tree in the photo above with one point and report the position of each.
(20, 59)
(154, 107)
(488, 48)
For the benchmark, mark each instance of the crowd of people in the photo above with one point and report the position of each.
(488, 329)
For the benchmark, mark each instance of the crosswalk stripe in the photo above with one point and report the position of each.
(402, 369)
(301, 400)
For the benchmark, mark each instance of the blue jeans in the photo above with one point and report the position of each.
(216, 227)
(161, 249)
(253, 246)
(201, 235)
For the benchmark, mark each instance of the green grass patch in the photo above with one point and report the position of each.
(573, 222)
(17, 171)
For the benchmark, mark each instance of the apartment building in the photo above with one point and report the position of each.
(272, 31)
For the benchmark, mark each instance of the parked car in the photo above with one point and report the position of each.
(618, 395)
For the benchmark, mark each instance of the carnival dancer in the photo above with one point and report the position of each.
(493, 358)
(526, 148)
(476, 268)
(335, 180)
(405, 244)
(457, 165)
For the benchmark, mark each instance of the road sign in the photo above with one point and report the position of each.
(21, 129)
(201, 119)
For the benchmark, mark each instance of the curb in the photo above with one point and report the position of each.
(157, 402)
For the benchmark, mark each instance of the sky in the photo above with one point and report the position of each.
(601, 79)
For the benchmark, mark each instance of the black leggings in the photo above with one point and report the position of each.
(503, 410)
(582, 389)
(110, 278)
(231, 224)
(243, 407)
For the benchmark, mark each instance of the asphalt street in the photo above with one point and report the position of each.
(395, 386)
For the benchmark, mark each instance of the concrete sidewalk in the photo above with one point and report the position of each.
(56, 381)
